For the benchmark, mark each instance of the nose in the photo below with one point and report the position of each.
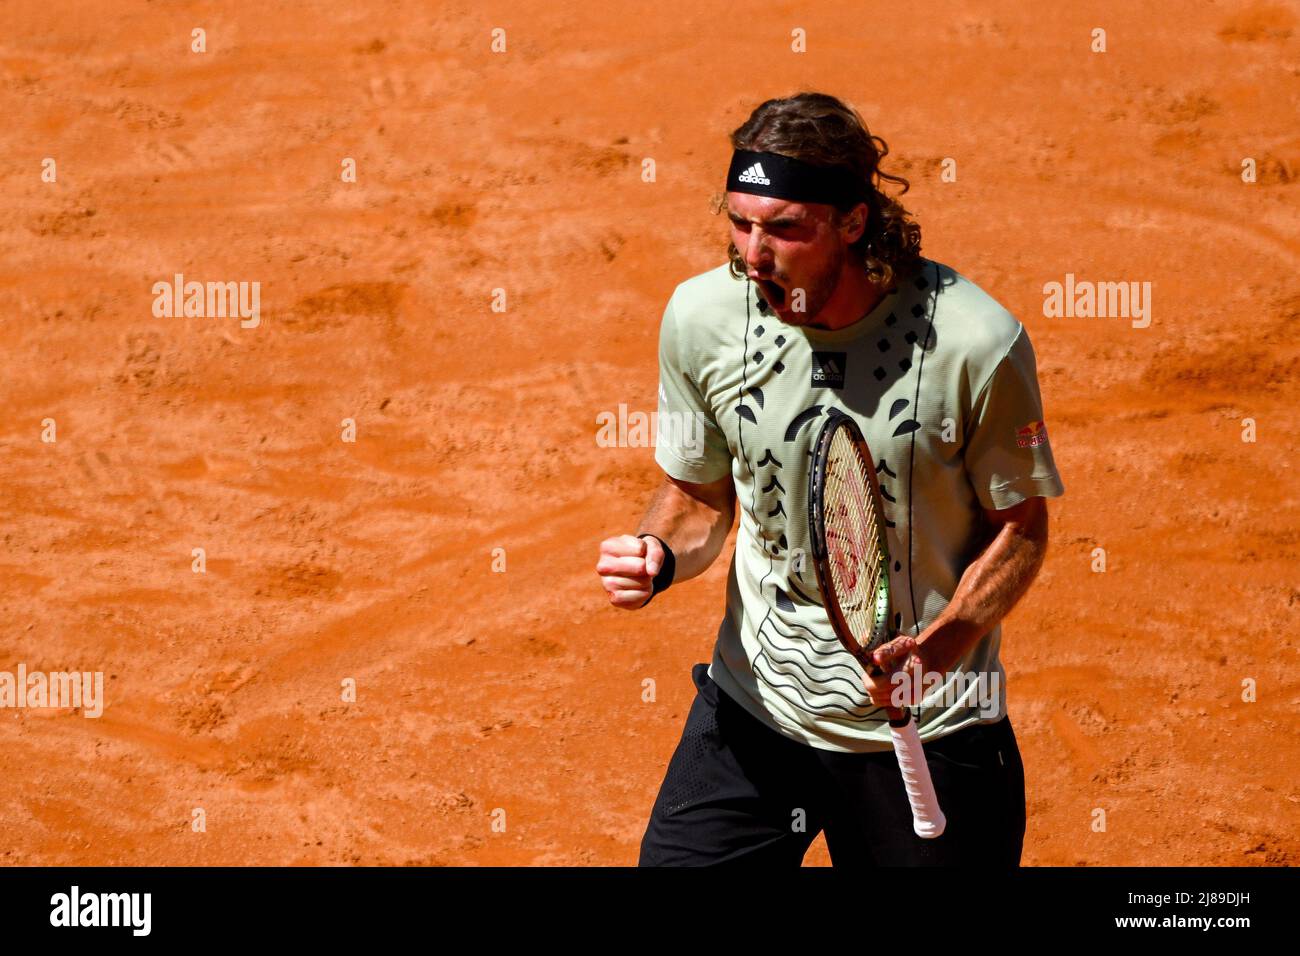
(757, 256)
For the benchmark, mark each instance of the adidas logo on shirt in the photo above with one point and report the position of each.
(828, 369)
(755, 174)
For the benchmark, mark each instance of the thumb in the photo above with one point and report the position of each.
(898, 649)
(654, 555)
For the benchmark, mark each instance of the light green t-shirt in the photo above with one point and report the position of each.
(942, 381)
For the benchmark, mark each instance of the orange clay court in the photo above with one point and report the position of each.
(478, 690)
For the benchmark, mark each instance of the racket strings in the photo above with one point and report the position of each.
(852, 525)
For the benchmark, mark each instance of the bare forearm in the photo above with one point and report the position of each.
(696, 530)
(988, 590)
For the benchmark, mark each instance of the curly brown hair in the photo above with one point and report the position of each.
(825, 131)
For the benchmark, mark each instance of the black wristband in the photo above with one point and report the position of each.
(664, 579)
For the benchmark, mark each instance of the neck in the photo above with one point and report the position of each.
(855, 295)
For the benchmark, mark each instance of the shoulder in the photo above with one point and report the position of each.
(702, 300)
(704, 313)
(970, 325)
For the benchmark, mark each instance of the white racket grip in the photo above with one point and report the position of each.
(927, 819)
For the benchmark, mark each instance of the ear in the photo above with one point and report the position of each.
(854, 222)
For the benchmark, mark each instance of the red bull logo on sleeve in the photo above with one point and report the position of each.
(1035, 433)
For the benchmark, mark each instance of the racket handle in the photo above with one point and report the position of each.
(927, 819)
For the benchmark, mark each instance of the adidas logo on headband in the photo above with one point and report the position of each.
(763, 173)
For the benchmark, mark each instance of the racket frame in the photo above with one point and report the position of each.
(883, 617)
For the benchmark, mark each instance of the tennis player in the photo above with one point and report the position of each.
(826, 304)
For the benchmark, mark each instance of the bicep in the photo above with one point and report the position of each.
(1029, 517)
(718, 495)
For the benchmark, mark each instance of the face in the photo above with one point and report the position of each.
(789, 246)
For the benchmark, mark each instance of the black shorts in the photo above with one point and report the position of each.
(739, 792)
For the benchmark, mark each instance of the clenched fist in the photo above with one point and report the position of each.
(900, 653)
(627, 568)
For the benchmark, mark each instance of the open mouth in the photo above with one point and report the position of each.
(772, 292)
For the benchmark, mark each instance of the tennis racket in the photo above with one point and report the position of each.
(851, 556)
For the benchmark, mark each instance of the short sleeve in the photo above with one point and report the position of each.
(689, 445)
(1008, 456)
